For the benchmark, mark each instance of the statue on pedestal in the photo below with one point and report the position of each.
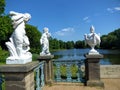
(18, 45)
(44, 41)
(92, 40)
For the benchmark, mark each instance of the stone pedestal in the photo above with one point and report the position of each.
(92, 70)
(19, 77)
(48, 68)
(19, 61)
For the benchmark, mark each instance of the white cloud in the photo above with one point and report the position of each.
(86, 19)
(112, 10)
(117, 8)
(65, 31)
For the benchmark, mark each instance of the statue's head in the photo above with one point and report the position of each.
(45, 29)
(27, 17)
(92, 29)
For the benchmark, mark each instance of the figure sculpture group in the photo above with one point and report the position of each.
(18, 45)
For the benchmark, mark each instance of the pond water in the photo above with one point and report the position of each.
(110, 56)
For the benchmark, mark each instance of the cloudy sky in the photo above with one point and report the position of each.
(70, 19)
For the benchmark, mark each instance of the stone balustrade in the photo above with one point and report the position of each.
(67, 64)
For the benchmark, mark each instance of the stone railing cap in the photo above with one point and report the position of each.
(47, 57)
(94, 56)
(19, 67)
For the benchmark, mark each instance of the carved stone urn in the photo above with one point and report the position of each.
(92, 40)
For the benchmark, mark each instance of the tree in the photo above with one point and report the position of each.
(34, 38)
(2, 6)
(79, 44)
(69, 44)
(54, 44)
(111, 41)
(62, 44)
(117, 34)
(5, 30)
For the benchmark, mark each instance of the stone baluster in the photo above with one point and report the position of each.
(69, 72)
(78, 74)
(42, 75)
(37, 79)
(58, 73)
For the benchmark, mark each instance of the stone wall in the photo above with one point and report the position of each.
(110, 71)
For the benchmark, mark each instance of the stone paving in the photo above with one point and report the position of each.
(110, 84)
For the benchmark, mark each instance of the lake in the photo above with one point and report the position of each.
(110, 56)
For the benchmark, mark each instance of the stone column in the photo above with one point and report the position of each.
(92, 70)
(19, 77)
(48, 67)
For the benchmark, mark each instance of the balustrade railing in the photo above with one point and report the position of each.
(39, 76)
(69, 70)
(1, 81)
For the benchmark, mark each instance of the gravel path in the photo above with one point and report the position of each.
(110, 84)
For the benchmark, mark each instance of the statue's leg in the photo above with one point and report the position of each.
(18, 40)
(43, 49)
(19, 50)
(47, 50)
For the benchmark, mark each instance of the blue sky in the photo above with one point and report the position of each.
(70, 19)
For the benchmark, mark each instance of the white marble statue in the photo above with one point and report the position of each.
(92, 40)
(18, 45)
(44, 41)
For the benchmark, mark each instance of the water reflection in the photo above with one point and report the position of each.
(110, 56)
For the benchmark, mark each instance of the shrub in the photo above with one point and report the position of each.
(3, 55)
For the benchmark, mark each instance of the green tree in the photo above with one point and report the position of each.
(5, 30)
(2, 6)
(103, 43)
(111, 41)
(62, 44)
(3, 55)
(34, 38)
(69, 44)
(54, 44)
(117, 35)
(79, 44)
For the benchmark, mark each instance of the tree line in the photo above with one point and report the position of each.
(109, 41)
(59, 44)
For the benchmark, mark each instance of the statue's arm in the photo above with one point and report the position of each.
(17, 22)
(16, 16)
(85, 36)
(41, 40)
(14, 13)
